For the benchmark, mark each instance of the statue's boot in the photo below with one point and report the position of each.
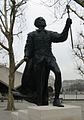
(28, 97)
(17, 94)
(57, 103)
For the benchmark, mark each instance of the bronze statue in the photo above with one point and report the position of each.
(39, 61)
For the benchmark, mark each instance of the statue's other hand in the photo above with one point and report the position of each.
(25, 58)
(69, 21)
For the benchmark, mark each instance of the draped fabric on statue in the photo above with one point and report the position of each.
(35, 83)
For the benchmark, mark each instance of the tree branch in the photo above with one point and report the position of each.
(82, 35)
(80, 2)
(18, 33)
(12, 15)
(22, 2)
(18, 15)
(3, 23)
(5, 14)
(19, 64)
(49, 5)
(2, 13)
(77, 14)
(3, 46)
(2, 30)
(80, 54)
(80, 70)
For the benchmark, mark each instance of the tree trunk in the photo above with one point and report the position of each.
(10, 104)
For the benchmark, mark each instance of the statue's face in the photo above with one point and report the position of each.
(40, 22)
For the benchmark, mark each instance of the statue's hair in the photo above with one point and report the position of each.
(40, 22)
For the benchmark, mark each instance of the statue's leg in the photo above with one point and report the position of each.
(58, 82)
(54, 67)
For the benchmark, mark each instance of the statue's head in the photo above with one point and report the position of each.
(40, 22)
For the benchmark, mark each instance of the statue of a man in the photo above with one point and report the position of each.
(39, 56)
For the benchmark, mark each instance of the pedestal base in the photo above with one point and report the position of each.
(49, 113)
(14, 115)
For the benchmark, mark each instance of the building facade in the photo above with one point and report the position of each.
(4, 80)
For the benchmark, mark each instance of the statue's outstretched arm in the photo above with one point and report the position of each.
(61, 37)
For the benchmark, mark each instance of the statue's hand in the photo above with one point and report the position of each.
(68, 21)
(25, 58)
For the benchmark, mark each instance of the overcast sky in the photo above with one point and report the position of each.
(62, 51)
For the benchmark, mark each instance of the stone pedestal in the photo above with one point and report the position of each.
(23, 115)
(49, 113)
(14, 115)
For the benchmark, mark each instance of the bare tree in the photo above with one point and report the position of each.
(79, 54)
(8, 16)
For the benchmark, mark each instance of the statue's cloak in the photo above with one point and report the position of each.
(35, 83)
